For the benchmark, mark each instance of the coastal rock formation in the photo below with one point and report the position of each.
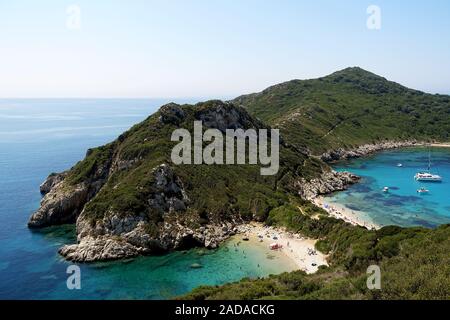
(51, 182)
(328, 182)
(127, 199)
(364, 150)
(63, 201)
(98, 249)
(119, 236)
(60, 206)
(138, 242)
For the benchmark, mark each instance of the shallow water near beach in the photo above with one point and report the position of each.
(38, 137)
(402, 205)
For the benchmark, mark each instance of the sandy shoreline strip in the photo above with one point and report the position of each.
(299, 249)
(441, 145)
(341, 212)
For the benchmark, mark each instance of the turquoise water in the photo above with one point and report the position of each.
(402, 206)
(42, 136)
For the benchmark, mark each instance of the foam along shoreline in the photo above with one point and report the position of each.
(341, 212)
(297, 248)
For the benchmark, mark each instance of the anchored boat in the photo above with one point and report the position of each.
(427, 175)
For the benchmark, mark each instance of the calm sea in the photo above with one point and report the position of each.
(402, 205)
(38, 137)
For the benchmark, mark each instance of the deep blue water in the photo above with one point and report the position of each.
(38, 137)
(402, 205)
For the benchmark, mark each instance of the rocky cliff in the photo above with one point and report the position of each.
(328, 182)
(120, 236)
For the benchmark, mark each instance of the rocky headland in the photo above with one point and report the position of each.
(128, 199)
(366, 149)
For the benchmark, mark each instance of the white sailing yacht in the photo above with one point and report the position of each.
(427, 175)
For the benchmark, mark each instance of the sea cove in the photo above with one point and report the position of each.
(402, 205)
(43, 136)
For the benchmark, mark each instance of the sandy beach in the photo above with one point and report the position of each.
(341, 212)
(299, 249)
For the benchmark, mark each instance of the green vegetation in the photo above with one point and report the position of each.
(414, 264)
(215, 192)
(348, 108)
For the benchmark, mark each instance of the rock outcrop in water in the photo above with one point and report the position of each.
(117, 236)
(60, 206)
(63, 201)
(328, 182)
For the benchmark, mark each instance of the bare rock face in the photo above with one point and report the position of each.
(118, 236)
(329, 182)
(171, 113)
(63, 202)
(95, 245)
(223, 116)
(51, 182)
(137, 242)
(98, 249)
(60, 206)
(169, 196)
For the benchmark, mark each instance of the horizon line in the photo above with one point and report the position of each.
(226, 97)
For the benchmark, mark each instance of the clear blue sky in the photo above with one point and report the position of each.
(214, 48)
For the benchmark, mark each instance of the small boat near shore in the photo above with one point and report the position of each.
(423, 190)
(386, 189)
